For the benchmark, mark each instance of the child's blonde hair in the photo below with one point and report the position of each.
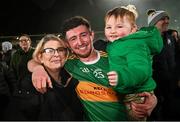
(128, 11)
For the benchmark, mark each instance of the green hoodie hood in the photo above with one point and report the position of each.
(155, 41)
(150, 35)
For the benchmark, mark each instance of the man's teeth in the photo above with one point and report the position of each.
(82, 48)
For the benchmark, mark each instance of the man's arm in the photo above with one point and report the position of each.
(32, 65)
(40, 78)
(145, 109)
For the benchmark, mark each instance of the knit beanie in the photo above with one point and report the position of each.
(154, 16)
(6, 46)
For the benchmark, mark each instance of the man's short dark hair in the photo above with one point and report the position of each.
(74, 22)
(26, 35)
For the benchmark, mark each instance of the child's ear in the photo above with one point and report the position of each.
(135, 28)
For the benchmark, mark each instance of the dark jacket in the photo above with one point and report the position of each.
(59, 103)
(164, 65)
(19, 62)
(7, 86)
(7, 80)
(62, 102)
(7, 57)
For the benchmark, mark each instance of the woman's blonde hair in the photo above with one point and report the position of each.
(129, 11)
(40, 46)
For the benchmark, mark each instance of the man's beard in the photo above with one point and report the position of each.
(84, 55)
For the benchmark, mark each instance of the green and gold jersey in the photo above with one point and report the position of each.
(99, 100)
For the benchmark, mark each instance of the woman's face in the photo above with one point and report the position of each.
(54, 55)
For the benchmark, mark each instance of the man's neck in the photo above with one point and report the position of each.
(94, 57)
(25, 49)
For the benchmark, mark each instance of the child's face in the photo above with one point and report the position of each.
(116, 28)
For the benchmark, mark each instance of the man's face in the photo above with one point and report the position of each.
(80, 40)
(162, 24)
(24, 43)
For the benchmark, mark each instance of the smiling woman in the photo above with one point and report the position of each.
(61, 102)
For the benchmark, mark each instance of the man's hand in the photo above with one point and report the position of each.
(145, 109)
(40, 79)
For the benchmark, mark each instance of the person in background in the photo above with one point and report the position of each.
(18, 64)
(21, 57)
(130, 55)
(175, 35)
(7, 51)
(164, 67)
(90, 67)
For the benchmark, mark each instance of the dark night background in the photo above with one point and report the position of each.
(36, 17)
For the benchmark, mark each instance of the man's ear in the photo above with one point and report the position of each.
(67, 44)
(92, 35)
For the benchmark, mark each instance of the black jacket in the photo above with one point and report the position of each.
(61, 102)
(7, 80)
(164, 65)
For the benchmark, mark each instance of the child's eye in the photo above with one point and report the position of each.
(119, 26)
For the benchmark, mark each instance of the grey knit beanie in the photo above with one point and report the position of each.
(154, 16)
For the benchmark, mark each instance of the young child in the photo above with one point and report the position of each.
(130, 55)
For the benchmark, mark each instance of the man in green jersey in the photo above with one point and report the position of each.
(90, 67)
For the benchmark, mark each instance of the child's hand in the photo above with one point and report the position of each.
(113, 78)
